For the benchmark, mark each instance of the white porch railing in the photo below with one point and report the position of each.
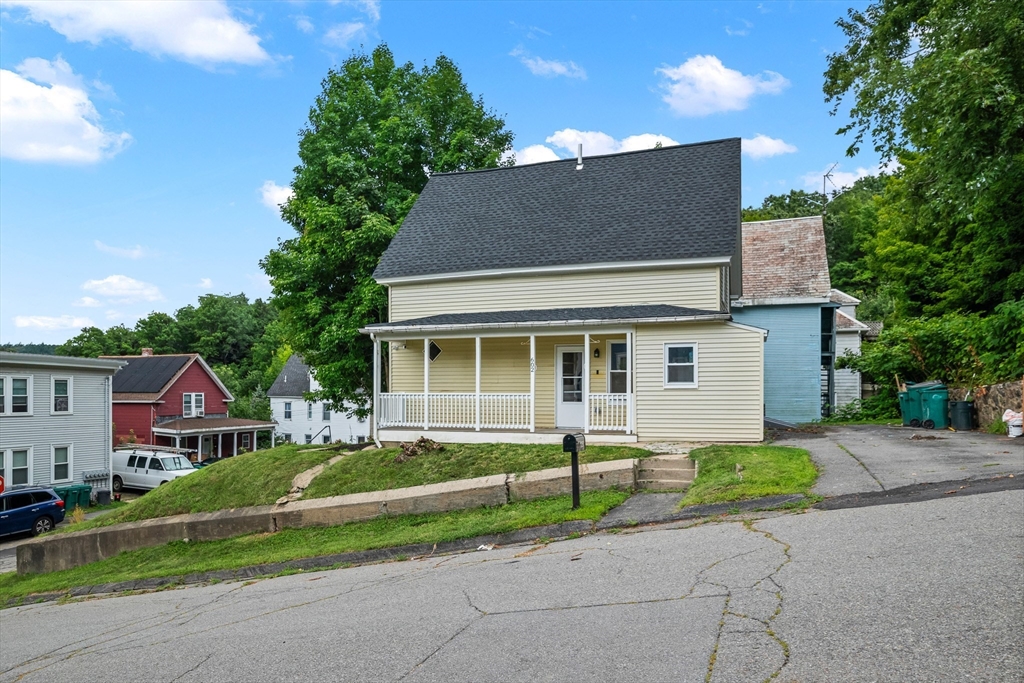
(455, 411)
(610, 412)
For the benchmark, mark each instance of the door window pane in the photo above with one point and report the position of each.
(19, 395)
(131, 461)
(154, 464)
(572, 377)
(19, 500)
(61, 403)
(61, 464)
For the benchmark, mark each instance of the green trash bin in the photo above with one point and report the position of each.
(84, 495)
(910, 409)
(65, 493)
(961, 415)
(913, 405)
(935, 408)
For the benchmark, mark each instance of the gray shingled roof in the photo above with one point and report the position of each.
(675, 202)
(147, 374)
(601, 314)
(293, 380)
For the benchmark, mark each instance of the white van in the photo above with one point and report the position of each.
(146, 469)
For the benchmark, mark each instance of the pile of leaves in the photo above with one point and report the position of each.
(419, 447)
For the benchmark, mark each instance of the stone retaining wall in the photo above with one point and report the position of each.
(65, 551)
(992, 400)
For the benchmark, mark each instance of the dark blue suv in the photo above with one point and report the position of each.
(30, 508)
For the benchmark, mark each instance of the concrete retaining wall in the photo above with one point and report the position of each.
(66, 551)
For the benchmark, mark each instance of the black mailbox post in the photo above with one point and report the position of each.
(575, 444)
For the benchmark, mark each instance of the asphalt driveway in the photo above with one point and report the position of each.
(862, 458)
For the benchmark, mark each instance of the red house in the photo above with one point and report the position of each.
(177, 400)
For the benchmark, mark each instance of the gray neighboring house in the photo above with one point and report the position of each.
(302, 421)
(55, 419)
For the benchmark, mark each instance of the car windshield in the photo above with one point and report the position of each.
(177, 463)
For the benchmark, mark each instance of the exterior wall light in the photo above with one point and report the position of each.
(597, 352)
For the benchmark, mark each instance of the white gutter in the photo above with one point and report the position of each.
(261, 427)
(40, 360)
(465, 327)
(557, 270)
(781, 301)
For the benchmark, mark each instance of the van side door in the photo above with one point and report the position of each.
(155, 474)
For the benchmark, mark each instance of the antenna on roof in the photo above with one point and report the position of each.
(579, 157)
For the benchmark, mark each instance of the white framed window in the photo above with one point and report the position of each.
(20, 400)
(286, 437)
(287, 410)
(60, 463)
(62, 395)
(326, 413)
(309, 411)
(327, 438)
(3, 395)
(681, 365)
(16, 465)
(618, 362)
(192, 405)
(245, 440)
(309, 438)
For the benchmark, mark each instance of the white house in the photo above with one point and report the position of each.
(55, 419)
(849, 332)
(303, 421)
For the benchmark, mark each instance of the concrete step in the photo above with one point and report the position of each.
(664, 484)
(671, 462)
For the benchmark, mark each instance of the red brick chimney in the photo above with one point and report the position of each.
(147, 352)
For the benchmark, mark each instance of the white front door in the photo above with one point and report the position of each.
(569, 387)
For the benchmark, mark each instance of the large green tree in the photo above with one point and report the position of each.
(939, 86)
(375, 133)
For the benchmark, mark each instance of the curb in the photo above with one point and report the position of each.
(916, 493)
(553, 531)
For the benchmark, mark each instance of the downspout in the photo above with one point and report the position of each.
(108, 419)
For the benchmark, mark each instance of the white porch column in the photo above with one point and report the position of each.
(254, 441)
(533, 382)
(177, 442)
(273, 438)
(234, 447)
(629, 382)
(478, 384)
(586, 383)
(426, 384)
(220, 453)
(376, 386)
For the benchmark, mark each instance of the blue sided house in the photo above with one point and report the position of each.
(787, 291)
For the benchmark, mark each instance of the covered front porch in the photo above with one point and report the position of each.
(517, 376)
(213, 437)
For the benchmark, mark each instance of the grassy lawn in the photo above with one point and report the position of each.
(377, 470)
(257, 478)
(767, 471)
(182, 558)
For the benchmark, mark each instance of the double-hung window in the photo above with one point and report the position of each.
(309, 411)
(15, 464)
(617, 364)
(681, 365)
(326, 413)
(309, 438)
(3, 395)
(61, 460)
(192, 405)
(60, 390)
(287, 410)
(21, 395)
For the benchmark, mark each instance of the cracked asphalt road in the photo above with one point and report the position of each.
(925, 591)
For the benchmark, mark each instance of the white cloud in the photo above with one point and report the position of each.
(273, 195)
(535, 154)
(762, 146)
(841, 179)
(303, 23)
(549, 67)
(197, 31)
(52, 120)
(370, 8)
(44, 322)
(123, 289)
(205, 283)
(112, 315)
(740, 31)
(340, 35)
(87, 302)
(596, 142)
(702, 85)
(135, 252)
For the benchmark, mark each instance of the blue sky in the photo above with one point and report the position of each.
(143, 146)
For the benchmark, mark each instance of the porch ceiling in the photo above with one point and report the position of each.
(548, 318)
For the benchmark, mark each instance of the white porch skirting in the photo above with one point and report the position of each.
(549, 436)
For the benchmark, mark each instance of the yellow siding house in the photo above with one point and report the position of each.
(578, 295)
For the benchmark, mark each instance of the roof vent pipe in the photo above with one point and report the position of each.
(579, 157)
